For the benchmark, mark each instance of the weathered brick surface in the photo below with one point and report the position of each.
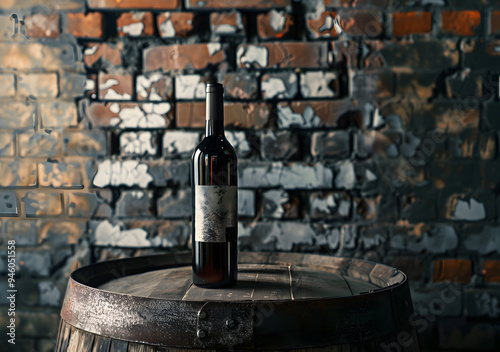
(154, 87)
(42, 26)
(279, 145)
(44, 143)
(321, 25)
(240, 85)
(38, 85)
(178, 57)
(310, 114)
(135, 24)
(7, 144)
(8, 85)
(115, 87)
(361, 22)
(85, 143)
(274, 24)
(60, 175)
(227, 23)
(104, 54)
(406, 23)
(175, 24)
(126, 4)
(18, 174)
(283, 85)
(243, 4)
(85, 25)
(58, 114)
(463, 23)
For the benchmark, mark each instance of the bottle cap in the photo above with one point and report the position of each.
(214, 87)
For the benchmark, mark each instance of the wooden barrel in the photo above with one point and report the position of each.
(283, 301)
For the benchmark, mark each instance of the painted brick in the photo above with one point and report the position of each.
(102, 54)
(115, 87)
(134, 204)
(317, 84)
(17, 115)
(175, 24)
(282, 55)
(321, 25)
(269, 236)
(381, 208)
(9, 205)
(134, 4)
(66, 5)
(39, 144)
(437, 239)
(417, 209)
(241, 144)
(42, 204)
(24, 232)
(180, 143)
(138, 143)
(494, 22)
(456, 270)
(274, 24)
(347, 54)
(58, 114)
(135, 24)
(130, 115)
(227, 23)
(360, 22)
(280, 85)
(7, 85)
(452, 117)
(334, 144)
(38, 85)
(372, 84)
(421, 85)
(246, 203)
(41, 25)
(36, 263)
(7, 144)
(18, 174)
(126, 173)
(50, 295)
(462, 23)
(459, 334)
(330, 206)
(154, 87)
(475, 207)
(62, 233)
(374, 143)
(279, 145)
(81, 205)
(491, 270)
(190, 87)
(240, 115)
(166, 172)
(290, 176)
(85, 25)
(240, 4)
(479, 54)
(85, 143)
(279, 204)
(179, 57)
(72, 85)
(60, 175)
(445, 54)
(310, 114)
(406, 23)
(358, 3)
(481, 303)
(174, 205)
(484, 240)
(239, 85)
(53, 55)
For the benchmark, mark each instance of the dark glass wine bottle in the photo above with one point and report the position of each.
(215, 200)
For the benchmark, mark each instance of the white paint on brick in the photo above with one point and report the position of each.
(127, 173)
(114, 108)
(334, 239)
(440, 239)
(147, 118)
(370, 176)
(277, 20)
(91, 51)
(246, 202)
(50, 295)
(273, 203)
(224, 29)
(469, 210)
(214, 48)
(324, 205)
(89, 84)
(314, 8)
(288, 118)
(274, 87)
(485, 242)
(137, 143)
(378, 119)
(327, 25)
(167, 29)
(180, 142)
(253, 54)
(189, 87)
(345, 178)
(316, 84)
(113, 95)
(108, 84)
(239, 141)
(144, 82)
(106, 234)
(133, 29)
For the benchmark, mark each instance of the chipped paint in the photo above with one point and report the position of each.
(107, 234)
(277, 20)
(189, 87)
(127, 173)
(137, 143)
(317, 84)
(471, 210)
(133, 29)
(180, 142)
(288, 118)
(274, 88)
(253, 54)
(239, 141)
(246, 203)
(485, 242)
(214, 48)
(150, 116)
(167, 29)
(345, 178)
(439, 239)
(273, 202)
(327, 25)
(113, 95)
(108, 84)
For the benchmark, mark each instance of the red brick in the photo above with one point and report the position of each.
(455, 270)
(18, 174)
(85, 26)
(135, 24)
(266, 30)
(288, 54)
(60, 175)
(42, 204)
(42, 26)
(178, 57)
(406, 23)
(328, 113)
(322, 26)
(463, 23)
(134, 4)
(239, 4)
(103, 53)
(130, 115)
(243, 115)
(491, 270)
(175, 24)
(227, 23)
(346, 53)
(495, 22)
(115, 87)
(360, 22)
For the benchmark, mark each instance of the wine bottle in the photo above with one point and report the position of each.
(215, 200)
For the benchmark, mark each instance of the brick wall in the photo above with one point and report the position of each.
(373, 136)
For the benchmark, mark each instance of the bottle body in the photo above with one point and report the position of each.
(214, 197)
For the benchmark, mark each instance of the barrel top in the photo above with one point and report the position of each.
(157, 294)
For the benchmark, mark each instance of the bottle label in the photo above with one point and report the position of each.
(215, 213)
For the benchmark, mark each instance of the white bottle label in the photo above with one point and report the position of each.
(215, 212)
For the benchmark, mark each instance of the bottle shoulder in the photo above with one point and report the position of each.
(215, 145)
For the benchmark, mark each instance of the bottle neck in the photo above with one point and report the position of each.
(214, 121)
